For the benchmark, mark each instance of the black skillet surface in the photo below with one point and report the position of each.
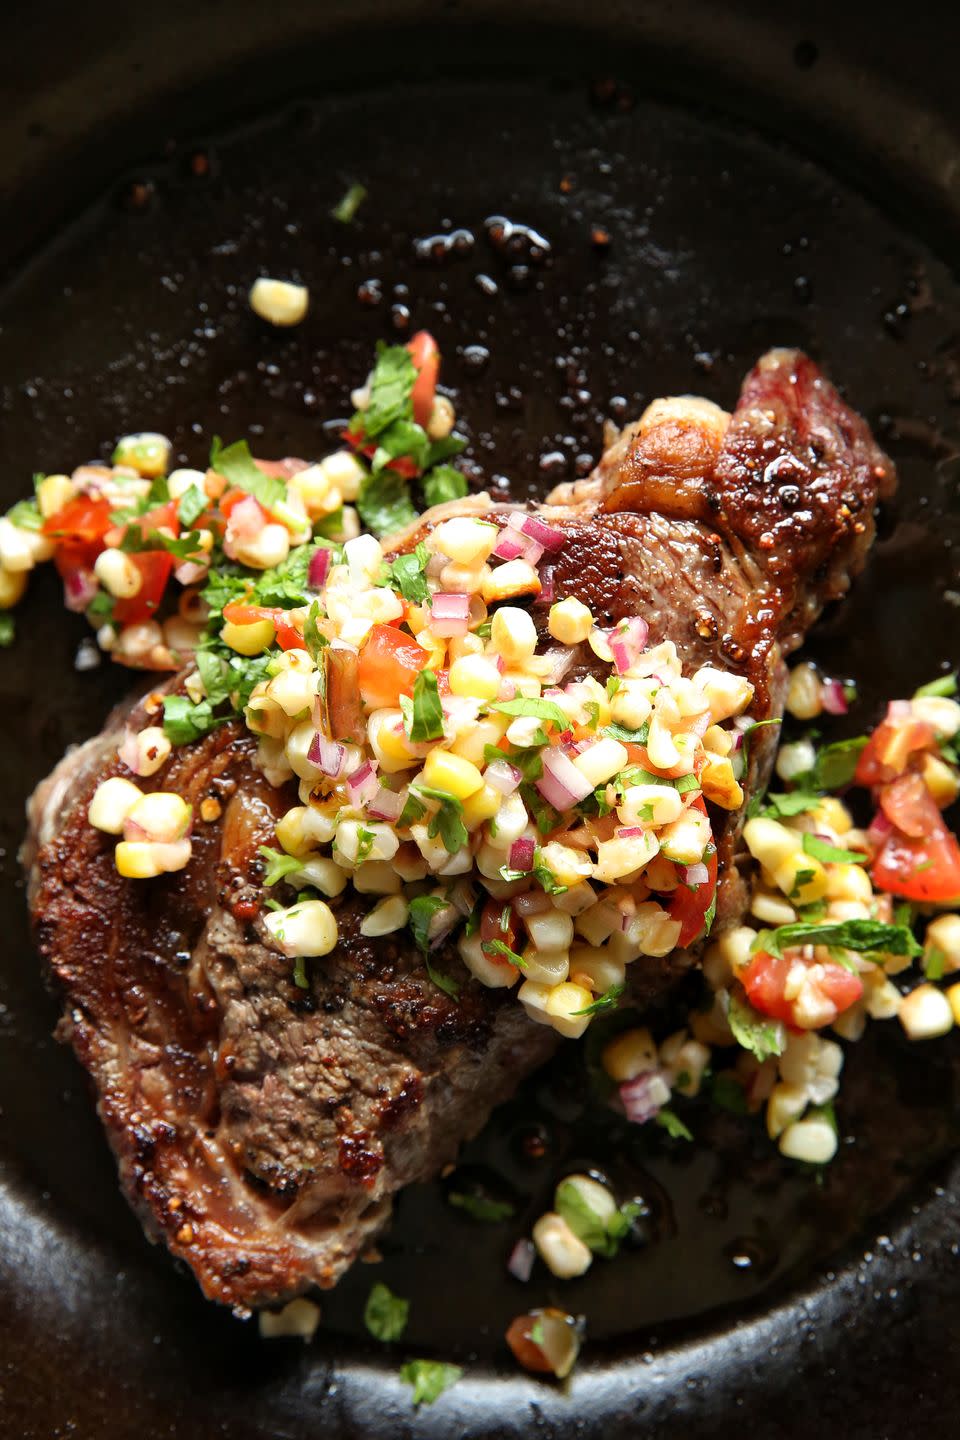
(759, 1297)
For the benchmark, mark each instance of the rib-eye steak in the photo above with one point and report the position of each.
(261, 1129)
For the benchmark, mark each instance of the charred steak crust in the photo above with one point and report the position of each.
(261, 1129)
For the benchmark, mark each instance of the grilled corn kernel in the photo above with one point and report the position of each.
(149, 749)
(769, 842)
(513, 634)
(563, 1004)
(685, 1061)
(160, 816)
(940, 779)
(279, 302)
(343, 470)
(630, 705)
(293, 690)
(595, 1197)
(804, 700)
(13, 583)
(570, 621)
(53, 493)
(264, 717)
(786, 1104)
(145, 859)
(943, 938)
(16, 547)
(882, 1000)
(953, 995)
(307, 928)
(830, 813)
(720, 785)
(772, 909)
(386, 916)
(848, 882)
(546, 967)
(376, 877)
(619, 857)
(567, 865)
(802, 878)
(685, 840)
(510, 580)
(926, 1013)
(602, 761)
(650, 931)
(794, 759)
(465, 540)
(377, 842)
(463, 579)
(298, 1319)
(939, 711)
(629, 1054)
(563, 1252)
(494, 971)
(147, 453)
(322, 873)
(389, 742)
(451, 773)
(248, 639)
(475, 676)
(441, 419)
(551, 930)
(470, 743)
(112, 802)
(482, 805)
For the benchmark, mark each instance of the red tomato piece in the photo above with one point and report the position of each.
(389, 664)
(888, 751)
(690, 906)
(82, 520)
(926, 870)
(492, 927)
(288, 636)
(765, 981)
(155, 567)
(160, 517)
(908, 804)
(426, 357)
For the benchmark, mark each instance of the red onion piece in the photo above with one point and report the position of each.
(79, 588)
(880, 830)
(190, 572)
(640, 1097)
(626, 642)
(561, 783)
(328, 755)
(509, 546)
(532, 552)
(520, 1263)
(832, 697)
(507, 691)
(696, 875)
(546, 586)
(362, 783)
(319, 568)
(385, 804)
(450, 614)
(503, 776)
(899, 710)
(546, 535)
(521, 853)
(629, 832)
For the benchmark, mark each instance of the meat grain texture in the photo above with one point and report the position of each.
(261, 1130)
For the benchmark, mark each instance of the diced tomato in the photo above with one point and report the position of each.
(78, 528)
(161, 517)
(926, 869)
(526, 1351)
(690, 906)
(155, 567)
(233, 498)
(908, 804)
(389, 663)
(288, 636)
(765, 981)
(426, 357)
(888, 751)
(498, 922)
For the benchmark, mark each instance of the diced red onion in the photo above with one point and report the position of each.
(328, 755)
(385, 804)
(561, 783)
(629, 832)
(638, 1097)
(319, 567)
(449, 614)
(521, 853)
(190, 572)
(627, 641)
(520, 1263)
(696, 875)
(546, 586)
(833, 698)
(737, 741)
(534, 902)
(700, 724)
(509, 546)
(503, 776)
(362, 784)
(532, 552)
(546, 535)
(507, 690)
(899, 710)
(79, 589)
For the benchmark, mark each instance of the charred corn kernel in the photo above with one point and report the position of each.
(301, 828)
(941, 780)
(595, 968)
(297, 749)
(953, 995)
(568, 866)
(719, 784)
(563, 1252)
(307, 928)
(279, 302)
(848, 882)
(460, 645)
(465, 540)
(943, 939)
(161, 816)
(629, 1054)
(265, 717)
(513, 634)
(546, 967)
(272, 760)
(386, 916)
(482, 805)
(533, 997)
(813, 1141)
(661, 747)
(602, 761)
(112, 802)
(451, 773)
(831, 814)
(551, 930)
(804, 700)
(293, 690)
(389, 742)
(795, 759)
(343, 470)
(357, 841)
(769, 842)
(13, 584)
(563, 1004)
(435, 646)
(494, 971)
(619, 857)
(802, 878)
(471, 742)
(734, 946)
(463, 579)
(145, 859)
(570, 621)
(510, 580)
(523, 731)
(364, 556)
(599, 922)
(149, 749)
(772, 909)
(725, 694)
(939, 711)
(248, 639)
(180, 481)
(299, 1319)
(650, 931)
(685, 840)
(53, 492)
(881, 998)
(575, 900)
(654, 805)
(475, 676)
(322, 873)
(925, 1013)
(269, 547)
(409, 864)
(147, 453)
(813, 1064)
(376, 877)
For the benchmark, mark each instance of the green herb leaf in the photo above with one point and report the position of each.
(391, 391)
(599, 1234)
(546, 710)
(836, 763)
(300, 976)
(313, 636)
(278, 864)
(685, 783)
(193, 502)
(528, 762)
(796, 803)
(674, 1126)
(481, 1207)
(623, 733)
(236, 465)
(26, 515)
(348, 204)
(403, 439)
(183, 721)
(452, 444)
(544, 816)
(443, 483)
(365, 839)
(934, 964)
(868, 937)
(758, 725)
(943, 685)
(412, 812)
(427, 723)
(182, 548)
(7, 630)
(541, 872)
(429, 1379)
(406, 574)
(500, 947)
(385, 1314)
(606, 1001)
(384, 503)
(443, 982)
(757, 1033)
(831, 854)
(422, 910)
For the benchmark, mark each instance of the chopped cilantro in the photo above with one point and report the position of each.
(384, 503)
(313, 636)
(236, 465)
(7, 630)
(391, 391)
(443, 483)
(193, 502)
(943, 685)
(365, 839)
(668, 1120)
(545, 817)
(443, 982)
(427, 721)
(481, 1207)
(406, 574)
(182, 547)
(869, 937)
(385, 1314)
(349, 203)
(527, 761)
(422, 910)
(836, 763)
(26, 515)
(429, 1379)
(412, 812)
(757, 1033)
(757, 725)
(639, 736)
(546, 710)
(796, 803)
(600, 1234)
(685, 783)
(541, 872)
(500, 947)
(606, 1001)
(183, 721)
(831, 854)
(278, 864)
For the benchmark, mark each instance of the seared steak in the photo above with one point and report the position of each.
(261, 1129)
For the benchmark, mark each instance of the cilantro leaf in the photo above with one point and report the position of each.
(183, 721)
(541, 872)
(427, 722)
(429, 1379)
(384, 503)
(349, 203)
(236, 465)
(755, 1032)
(183, 547)
(406, 574)
(831, 854)
(443, 483)
(601, 1234)
(7, 630)
(446, 820)
(193, 502)
(943, 685)
(546, 710)
(412, 812)
(391, 391)
(26, 515)
(836, 763)
(443, 982)
(606, 1001)
(500, 947)
(624, 733)
(404, 438)
(796, 803)
(481, 1207)
(441, 450)
(527, 761)
(278, 864)
(868, 937)
(285, 585)
(385, 1314)
(757, 725)
(668, 1120)
(422, 910)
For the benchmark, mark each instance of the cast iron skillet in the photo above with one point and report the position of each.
(758, 1298)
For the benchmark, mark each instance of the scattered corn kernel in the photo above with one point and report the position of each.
(279, 302)
(112, 802)
(570, 621)
(926, 1013)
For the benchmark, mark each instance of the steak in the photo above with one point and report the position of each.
(261, 1129)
